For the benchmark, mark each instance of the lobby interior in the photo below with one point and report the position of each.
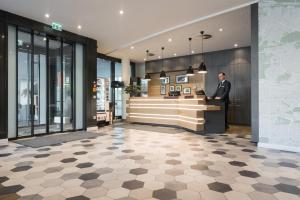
(112, 100)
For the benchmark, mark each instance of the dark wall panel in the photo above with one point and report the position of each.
(3, 82)
(90, 79)
(236, 63)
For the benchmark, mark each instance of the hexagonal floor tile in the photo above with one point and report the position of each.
(78, 198)
(164, 194)
(249, 174)
(138, 171)
(53, 169)
(133, 184)
(92, 183)
(261, 187)
(237, 163)
(174, 172)
(89, 176)
(199, 167)
(287, 188)
(21, 168)
(219, 187)
(84, 165)
(287, 164)
(173, 162)
(175, 185)
(68, 160)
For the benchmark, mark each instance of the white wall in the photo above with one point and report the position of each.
(279, 74)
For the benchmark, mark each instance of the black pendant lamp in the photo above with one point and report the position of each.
(162, 73)
(147, 76)
(202, 66)
(190, 71)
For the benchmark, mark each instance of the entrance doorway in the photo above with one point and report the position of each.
(44, 84)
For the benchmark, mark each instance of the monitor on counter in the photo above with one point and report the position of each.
(174, 93)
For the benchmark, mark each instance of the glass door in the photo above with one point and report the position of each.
(24, 94)
(54, 86)
(39, 85)
(44, 85)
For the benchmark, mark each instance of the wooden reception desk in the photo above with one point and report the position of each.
(190, 112)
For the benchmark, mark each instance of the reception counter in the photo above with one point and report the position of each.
(189, 112)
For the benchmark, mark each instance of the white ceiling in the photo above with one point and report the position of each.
(142, 19)
(236, 27)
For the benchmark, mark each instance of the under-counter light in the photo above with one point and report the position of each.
(79, 27)
(44, 39)
(220, 29)
(174, 54)
(47, 15)
(236, 45)
(145, 59)
(132, 47)
(193, 52)
(121, 12)
(158, 57)
(170, 40)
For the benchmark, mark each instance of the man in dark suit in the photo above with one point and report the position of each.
(222, 93)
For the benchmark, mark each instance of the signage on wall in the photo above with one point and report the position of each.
(56, 26)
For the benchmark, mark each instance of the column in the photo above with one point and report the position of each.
(126, 72)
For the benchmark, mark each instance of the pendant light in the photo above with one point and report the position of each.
(202, 66)
(162, 73)
(147, 76)
(190, 71)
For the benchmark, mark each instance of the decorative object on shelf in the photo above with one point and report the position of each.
(162, 73)
(178, 88)
(147, 76)
(187, 90)
(182, 79)
(165, 80)
(190, 71)
(172, 88)
(200, 92)
(133, 90)
(202, 67)
(163, 90)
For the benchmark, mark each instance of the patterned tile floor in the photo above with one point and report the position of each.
(128, 164)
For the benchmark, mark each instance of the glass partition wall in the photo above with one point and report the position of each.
(44, 71)
(109, 70)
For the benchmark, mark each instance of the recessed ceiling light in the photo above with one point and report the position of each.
(47, 15)
(132, 47)
(236, 45)
(121, 12)
(220, 29)
(170, 40)
(79, 27)
(193, 51)
(174, 54)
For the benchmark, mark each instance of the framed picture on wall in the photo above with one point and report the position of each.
(162, 89)
(187, 90)
(165, 80)
(178, 88)
(182, 79)
(172, 88)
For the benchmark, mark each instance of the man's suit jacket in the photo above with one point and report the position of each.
(222, 91)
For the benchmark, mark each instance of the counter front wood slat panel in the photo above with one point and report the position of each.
(187, 113)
